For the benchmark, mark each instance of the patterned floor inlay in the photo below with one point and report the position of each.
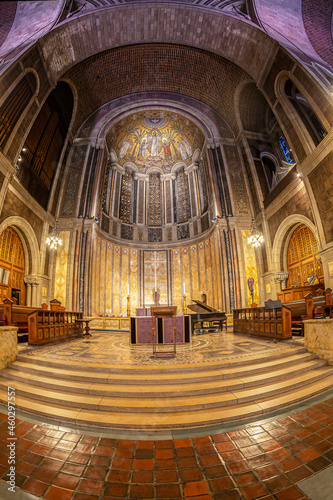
(114, 348)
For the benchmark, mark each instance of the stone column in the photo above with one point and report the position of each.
(34, 286)
(28, 282)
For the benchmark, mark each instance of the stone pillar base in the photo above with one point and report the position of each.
(318, 337)
(8, 345)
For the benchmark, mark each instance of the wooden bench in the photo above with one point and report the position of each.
(262, 322)
(52, 326)
(18, 316)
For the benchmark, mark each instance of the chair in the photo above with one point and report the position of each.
(3, 319)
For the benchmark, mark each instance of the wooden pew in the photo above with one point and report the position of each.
(52, 326)
(262, 322)
(18, 316)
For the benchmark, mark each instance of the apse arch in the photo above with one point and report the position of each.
(283, 236)
(28, 239)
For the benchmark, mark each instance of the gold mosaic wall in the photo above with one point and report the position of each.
(61, 268)
(250, 268)
(117, 270)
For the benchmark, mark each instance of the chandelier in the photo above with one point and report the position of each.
(53, 240)
(256, 238)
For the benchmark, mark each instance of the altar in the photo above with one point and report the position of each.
(142, 329)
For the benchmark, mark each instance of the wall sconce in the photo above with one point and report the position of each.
(53, 240)
(256, 238)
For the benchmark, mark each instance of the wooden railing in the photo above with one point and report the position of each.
(51, 326)
(262, 322)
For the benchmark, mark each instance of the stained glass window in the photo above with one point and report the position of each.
(285, 150)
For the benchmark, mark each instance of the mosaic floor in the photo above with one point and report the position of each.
(114, 348)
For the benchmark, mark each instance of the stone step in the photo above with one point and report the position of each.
(236, 361)
(162, 421)
(164, 404)
(182, 388)
(124, 376)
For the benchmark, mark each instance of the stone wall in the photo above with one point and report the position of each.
(318, 338)
(8, 345)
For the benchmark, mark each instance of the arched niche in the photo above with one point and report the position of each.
(12, 266)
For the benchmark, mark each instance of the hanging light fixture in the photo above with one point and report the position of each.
(256, 238)
(53, 240)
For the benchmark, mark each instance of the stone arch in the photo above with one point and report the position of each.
(282, 238)
(29, 242)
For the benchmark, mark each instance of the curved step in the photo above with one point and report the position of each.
(177, 403)
(156, 387)
(159, 421)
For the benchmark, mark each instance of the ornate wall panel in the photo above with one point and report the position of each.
(183, 209)
(125, 200)
(61, 268)
(168, 201)
(141, 202)
(158, 260)
(72, 184)
(154, 234)
(154, 207)
(238, 183)
(250, 269)
(12, 265)
(126, 232)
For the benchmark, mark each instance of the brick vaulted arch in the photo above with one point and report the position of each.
(240, 42)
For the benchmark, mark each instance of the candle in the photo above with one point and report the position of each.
(184, 288)
(128, 289)
(155, 273)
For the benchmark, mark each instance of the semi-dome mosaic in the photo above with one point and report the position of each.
(155, 139)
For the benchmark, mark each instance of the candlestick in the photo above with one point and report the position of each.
(128, 289)
(184, 287)
(155, 273)
(184, 305)
(128, 306)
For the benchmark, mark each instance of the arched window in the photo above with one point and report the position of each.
(44, 143)
(183, 198)
(14, 106)
(288, 156)
(305, 112)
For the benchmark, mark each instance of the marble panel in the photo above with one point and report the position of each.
(8, 345)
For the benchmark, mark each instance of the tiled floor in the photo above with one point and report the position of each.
(264, 460)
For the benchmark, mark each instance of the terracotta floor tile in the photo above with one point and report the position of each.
(111, 443)
(143, 464)
(145, 453)
(279, 454)
(166, 464)
(207, 449)
(226, 446)
(254, 491)
(81, 448)
(100, 461)
(67, 445)
(246, 478)
(329, 455)
(146, 445)
(51, 463)
(44, 475)
(90, 486)
(141, 491)
(26, 444)
(187, 475)
(238, 434)
(323, 447)
(85, 496)
(289, 463)
(140, 476)
(166, 476)
(97, 473)
(66, 481)
(277, 483)
(163, 444)
(104, 451)
(59, 454)
(236, 467)
(90, 440)
(171, 491)
(307, 455)
(259, 460)
(187, 463)
(35, 487)
(41, 449)
(252, 431)
(70, 436)
(163, 454)
(215, 471)
(231, 456)
(221, 483)
(267, 471)
(33, 458)
(244, 442)
(296, 446)
(312, 439)
(286, 439)
(318, 464)
(56, 493)
(79, 458)
(302, 433)
(126, 443)
(291, 493)
(74, 469)
(25, 468)
(195, 488)
(207, 460)
(298, 474)
(277, 432)
(122, 453)
(270, 445)
(261, 437)
(49, 441)
(116, 476)
(185, 452)
(251, 451)
(200, 441)
(180, 443)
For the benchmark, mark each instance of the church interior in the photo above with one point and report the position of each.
(166, 249)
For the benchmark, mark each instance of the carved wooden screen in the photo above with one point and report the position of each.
(303, 262)
(11, 266)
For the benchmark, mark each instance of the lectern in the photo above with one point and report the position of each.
(158, 312)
